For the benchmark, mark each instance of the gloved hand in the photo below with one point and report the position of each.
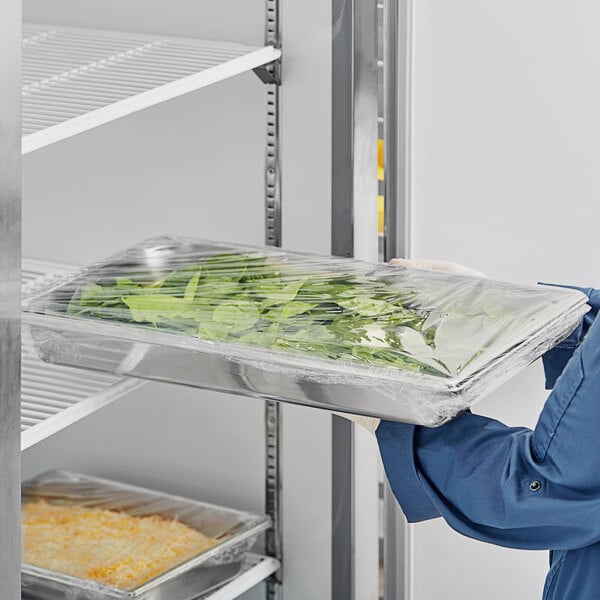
(370, 423)
(436, 265)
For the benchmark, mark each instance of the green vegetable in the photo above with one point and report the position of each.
(237, 316)
(254, 300)
(284, 294)
(191, 288)
(158, 307)
(91, 295)
(367, 307)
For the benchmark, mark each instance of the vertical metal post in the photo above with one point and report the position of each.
(398, 60)
(342, 244)
(342, 552)
(354, 232)
(273, 174)
(342, 127)
(397, 550)
(398, 43)
(10, 298)
(354, 129)
(272, 494)
(273, 425)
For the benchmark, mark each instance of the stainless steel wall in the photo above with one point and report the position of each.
(10, 322)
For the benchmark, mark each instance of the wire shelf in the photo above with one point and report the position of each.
(256, 569)
(52, 396)
(77, 79)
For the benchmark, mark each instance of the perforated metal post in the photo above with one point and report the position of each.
(272, 178)
(273, 483)
(271, 76)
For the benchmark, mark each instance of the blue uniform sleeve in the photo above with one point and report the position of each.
(514, 487)
(556, 359)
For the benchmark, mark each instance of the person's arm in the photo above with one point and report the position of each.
(556, 359)
(510, 486)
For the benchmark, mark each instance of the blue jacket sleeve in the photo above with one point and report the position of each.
(556, 359)
(514, 487)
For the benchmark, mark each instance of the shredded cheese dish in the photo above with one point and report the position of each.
(109, 547)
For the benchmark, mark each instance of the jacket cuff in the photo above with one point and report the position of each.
(396, 444)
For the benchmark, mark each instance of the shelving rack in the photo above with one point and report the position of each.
(96, 76)
(74, 80)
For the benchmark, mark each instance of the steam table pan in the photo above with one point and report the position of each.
(402, 344)
(237, 531)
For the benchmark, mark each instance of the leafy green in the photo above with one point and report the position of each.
(367, 307)
(157, 307)
(91, 295)
(254, 300)
(191, 288)
(282, 295)
(237, 315)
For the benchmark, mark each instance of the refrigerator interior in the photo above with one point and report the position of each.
(510, 79)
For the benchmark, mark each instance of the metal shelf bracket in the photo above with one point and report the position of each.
(269, 74)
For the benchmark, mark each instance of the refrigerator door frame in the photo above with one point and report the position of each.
(398, 44)
(355, 498)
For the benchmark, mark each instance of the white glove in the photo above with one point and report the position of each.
(371, 423)
(436, 265)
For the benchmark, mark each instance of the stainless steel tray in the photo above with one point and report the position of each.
(197, 576)
(532, 320)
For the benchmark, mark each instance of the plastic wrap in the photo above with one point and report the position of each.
(411, 345)
(235, 531)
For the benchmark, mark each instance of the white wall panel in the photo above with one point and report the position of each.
(506, 180)
(306, 223)
(192, 166)
(306, 125)
(228, 20)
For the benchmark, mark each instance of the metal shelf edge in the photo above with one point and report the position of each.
(262, 568)
(163, 93)
(83, 408)
(44, 395)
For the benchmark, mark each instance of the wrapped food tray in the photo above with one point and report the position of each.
(236, 531)
(402, 344)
